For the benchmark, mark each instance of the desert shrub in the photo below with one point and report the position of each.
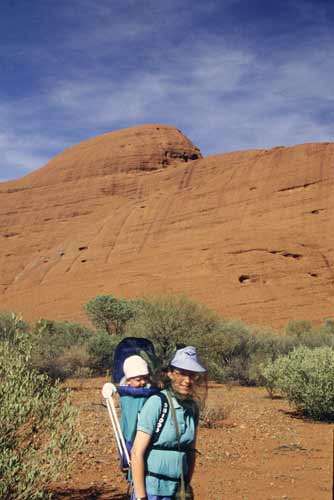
(109, 313)
(270, 345)
(60, 348)
(267, 346)
(298, 327)
(37, 425)
(101, 347)
(329, 325)
(226, 351)
(317, 338)
(273, 376)
(72, 362)
(306, 377)
(212, 415)
(170, 321)
(309, 336)
(61, 334)
(10, 323)
(235, 351)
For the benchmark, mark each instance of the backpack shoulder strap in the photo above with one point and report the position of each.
(162, 418)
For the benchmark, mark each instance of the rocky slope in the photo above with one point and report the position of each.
(139, 211)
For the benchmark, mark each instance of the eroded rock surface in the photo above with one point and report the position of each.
(139, 211)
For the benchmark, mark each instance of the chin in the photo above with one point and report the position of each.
(185, 392)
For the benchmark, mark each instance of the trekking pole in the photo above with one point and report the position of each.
(108, 390)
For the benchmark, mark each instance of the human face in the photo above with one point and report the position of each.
(182, 380)
(137, 381)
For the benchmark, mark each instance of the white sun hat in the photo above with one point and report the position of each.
(186, 359)
(135, 366)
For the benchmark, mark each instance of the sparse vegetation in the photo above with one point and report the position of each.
(109, 313)
(169, 321)
(10, 324)
(231, 350)
(101, 348)
(212, 416)
(306, 377)
(37, 423)
(61, 349)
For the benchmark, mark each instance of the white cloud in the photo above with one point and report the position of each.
(224, 96)
(23, 153)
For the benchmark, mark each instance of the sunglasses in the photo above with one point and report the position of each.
(186, 374)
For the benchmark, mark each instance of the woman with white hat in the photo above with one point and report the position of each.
(163, 453)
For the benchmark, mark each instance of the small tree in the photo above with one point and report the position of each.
(108, 313)
(171, 320)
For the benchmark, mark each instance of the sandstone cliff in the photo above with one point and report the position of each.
(139, 211)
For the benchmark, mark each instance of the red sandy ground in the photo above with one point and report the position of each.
(261, 450)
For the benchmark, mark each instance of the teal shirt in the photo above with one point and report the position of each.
(130, 408)
(166, 462)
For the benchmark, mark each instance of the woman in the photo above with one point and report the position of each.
(163, 452)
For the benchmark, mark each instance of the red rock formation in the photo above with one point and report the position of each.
(128, 213)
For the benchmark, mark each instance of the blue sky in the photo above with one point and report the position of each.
(230, 74)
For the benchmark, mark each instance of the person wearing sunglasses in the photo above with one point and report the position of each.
(163, 453)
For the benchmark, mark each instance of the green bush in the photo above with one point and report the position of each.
(60, 348)
(10, 323)
(60, 335)
(169, 321)
(235, 351)
(267, 346)
(226, 351)
(306, 377)
(101, 347)
(329, 325)
(298, 327)
(37, 433)
(73, 362)
(273, 376)
(109, 313)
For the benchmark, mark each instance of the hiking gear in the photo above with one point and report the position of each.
(164, 458)
(184, 492)
(186, 359)
(186, 373)
(135, 366)
(128, 347)
(162, 419)
(108, 390)
(154, 497)
(132, 400)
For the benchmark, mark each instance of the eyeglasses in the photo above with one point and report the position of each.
(186, 374)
